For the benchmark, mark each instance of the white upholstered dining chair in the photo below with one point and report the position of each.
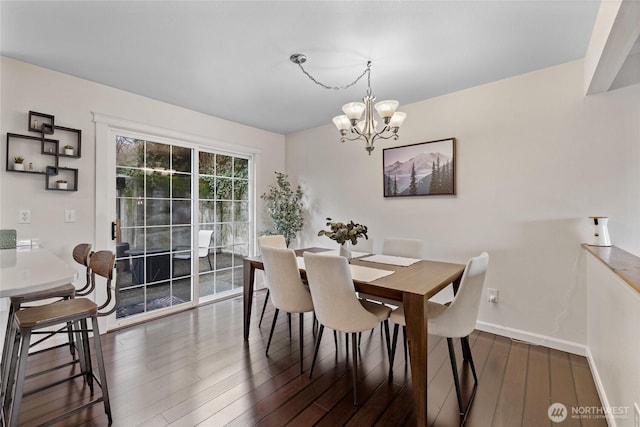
(272, 241)
(456, 320)
(400, 247)
(407, 248)
(337, 306)
(288, 293)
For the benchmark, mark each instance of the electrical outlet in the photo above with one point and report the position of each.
(636, 415)
(24, 216)
(492, 295)
(69, 215)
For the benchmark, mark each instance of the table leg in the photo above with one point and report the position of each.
(415, 312)
(248, 279)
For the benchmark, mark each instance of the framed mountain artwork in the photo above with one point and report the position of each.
(423, 169)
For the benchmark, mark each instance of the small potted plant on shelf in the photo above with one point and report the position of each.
(345, 234)
(68, 150)
(62, 184)
(18, 163)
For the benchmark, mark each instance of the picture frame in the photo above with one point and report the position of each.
(422, 169)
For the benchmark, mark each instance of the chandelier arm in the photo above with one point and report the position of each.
(355, 138)
(380, 136)
(366, 71)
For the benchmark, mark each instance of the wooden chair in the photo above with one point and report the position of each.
(67, 291)
(76, 311)
(456, 320)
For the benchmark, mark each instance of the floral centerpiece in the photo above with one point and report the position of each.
(345, 234)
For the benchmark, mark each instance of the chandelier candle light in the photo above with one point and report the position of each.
(350, 123)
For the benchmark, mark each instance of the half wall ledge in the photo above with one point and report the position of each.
(624, 264)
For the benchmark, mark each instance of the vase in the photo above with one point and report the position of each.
(62, 185)
(68, 151)
(600, 231)
(18, 166)
(345, 250)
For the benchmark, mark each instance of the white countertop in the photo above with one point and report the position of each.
(31, 269)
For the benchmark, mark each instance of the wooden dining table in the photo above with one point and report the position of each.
(412, 285)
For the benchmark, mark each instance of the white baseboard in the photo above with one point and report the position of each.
(611, 420)
(536, 339)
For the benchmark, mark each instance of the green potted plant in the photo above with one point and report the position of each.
(345, 234)
(18, 163)
(68, 150)
(62, 184)
(284, 206)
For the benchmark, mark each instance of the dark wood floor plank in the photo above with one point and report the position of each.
(562, 384)
(537, 391)
(490, 379)
(586, 392)
(511, 399)
(193, 368)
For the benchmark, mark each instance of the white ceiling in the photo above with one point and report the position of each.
(230, 59)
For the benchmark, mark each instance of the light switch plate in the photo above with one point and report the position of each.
(69, 215)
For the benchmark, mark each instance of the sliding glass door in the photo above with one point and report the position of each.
(183, 225)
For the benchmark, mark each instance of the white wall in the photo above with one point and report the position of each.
(534, 159)
(72, 101)
(613, 318)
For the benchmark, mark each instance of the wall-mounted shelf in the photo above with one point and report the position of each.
(42, 155)
(55, 174)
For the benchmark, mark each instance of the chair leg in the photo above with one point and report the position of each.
(466, 350)
(392, 352)
(264, 306)
(335, 341)
(404, 340)
(346, 346)
(454, 369)
(386, 336)
(10, 353)
(13, 416)
(273, 326)
(9, 338)
(301, 338)
(209, 259)
(314, 327)
(317, 347)
(354, 352)
(465, 343)
(72, 347)
(101, 371)
(87, 353)
(289, 317)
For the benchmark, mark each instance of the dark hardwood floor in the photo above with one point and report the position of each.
(193, 368)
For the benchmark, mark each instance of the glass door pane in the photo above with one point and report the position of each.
(154, 206)
(223, 189)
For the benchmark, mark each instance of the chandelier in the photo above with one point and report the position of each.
(350, 125)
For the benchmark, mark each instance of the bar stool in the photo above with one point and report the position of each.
(75, 311)
(67, 291)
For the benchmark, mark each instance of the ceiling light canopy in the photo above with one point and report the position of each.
(351, 125)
